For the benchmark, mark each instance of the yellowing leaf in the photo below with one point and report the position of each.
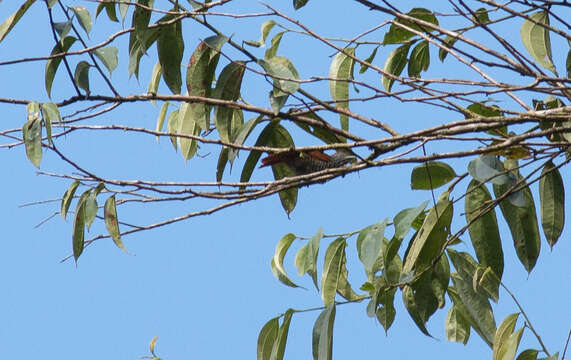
(112, 223)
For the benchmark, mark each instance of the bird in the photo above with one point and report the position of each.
(306, 162)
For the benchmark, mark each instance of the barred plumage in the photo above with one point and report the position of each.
(305, 162)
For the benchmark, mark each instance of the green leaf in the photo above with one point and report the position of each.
(155, 79)
(522, 221)
(109, 9)
(273, 49)
(241, 134)
(484, 231)
(568, 64)
(369, 60)
(306, 257)
(332, 268)
(297, 4)
(431, 238)
(140, 40)
(83, 16)
(481, 109)
(170, 47)
(431, 175)
(265, 29)
(322, 339)
(161, 118)
(112, 222)
(50, 112)
(280, 343)
(340, 73)
(419, 59)
(386, 315)
(402, 223)
(13, 19)
(397, 34)
(186, 126)
(67, 197)
(227, 88)
(277, 263)
(488, 168)
(509, 347)
(343, 287)
(503, 332)
(266, 339)
(552, 199)
(414, 305)
(529, 354)
(108, 56)
(284, 75)
(63, 28)
(90, 208)
(78, 238)
(123, 8)
(172, 128)
(32, 134)
(394, 65)
(536, 39)
(457, 327)
(53, 64)
(81, 76)
(369, 243)
(448, 43)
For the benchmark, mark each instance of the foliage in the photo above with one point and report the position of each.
(509, 121)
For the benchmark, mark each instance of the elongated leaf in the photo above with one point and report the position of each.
(78, 238)
(457, 328)
(369, 60)
(340, 73)
(267, 338)
(186, 126)
(415, 305)
(484, 231)
(343, 287)
(227, 88)
(53, 64)
(332, 268)
(280, 343)
(509, 347)
(431, 175)
(90, 208)
(172, 128)
(402, 223)
(155, 79)
(522, 222)
(419, 59)
(112, 222)
(396, 61)
(552, 198)
(529, 354)
(13, 19)
(81, 76)
(170, 47)
(481, 109)
(32, 134)
(284, 75)
(277, 262)
(397, 34)
(161, 118)
(322, 340)
(447, 43)
(369, 243)
(265, 29)
(50, 112)
(139, 46)
(108, 56)
(109, 9)
(273, 49)
(306, 257)
(83, 16)
(488, 168)
(536, 39)
(67, 197)
(503, 332)
(431, 237)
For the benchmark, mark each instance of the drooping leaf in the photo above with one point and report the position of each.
(431, 175)
(170, 47)
(108, 56)
(277, 263)
(488, 168)
(83, 16)
(343, 287)
(396, 61)
(13, 19)
(53, 64)
(369, 60)
(90, 208)
(280, 343)
(109, 9)
(503, 332)
(552, 199)
(411, 303)
(273, 49)
(419, 59)
(340, 73)
(265, 30)
(522, 222)
(186, 126)
(63, 28)
(402, 223)
(50, 112)
(32, 134)
(306, 257)
(284, 74)
(369, 243)
(155, 79)
(509, 347)
(112, 222)
(332, 268)
(227, 88)
(457, 328)
(297, 4)
(81, 76)
(172, 128)
(67, 198)
(397, 34)
(322, 339)
(161, 118)
(78, 238)
(431, 237)
(484, 110)
(448, 43)
(266, 339)
(483, 230)
(536, 39)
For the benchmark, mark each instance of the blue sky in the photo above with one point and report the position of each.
(204, 286)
